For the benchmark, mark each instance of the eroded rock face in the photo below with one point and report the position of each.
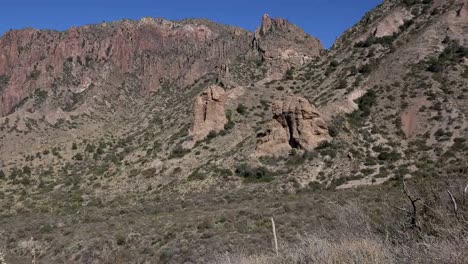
(283, 45)
(391, 23)
(296, 124)
(156, 51)
(208, 112)
(152, 53)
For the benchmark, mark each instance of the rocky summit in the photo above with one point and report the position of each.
(157, 141)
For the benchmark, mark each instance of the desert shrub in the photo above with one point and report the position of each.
(366, 69)
(34, 75)
(196, 175)
(230, 124)
(327, 148)
(334, 63)
(342, 84)
(178, 152)
(295, 159)
(280, 88)
(90, 148)
(254, 174)
(365, 103)
(289, 74)
(4, 80)
(78, 156)
(2, 175)
(39, 96)
(453, 53)
(241, 109)
(389, 156)
(211, 135)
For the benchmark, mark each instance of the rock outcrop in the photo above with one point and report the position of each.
(208, 112)
(296, 124)
(283, 45)
(392, 23)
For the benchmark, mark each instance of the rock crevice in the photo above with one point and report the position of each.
(208, 112)
(296, 124)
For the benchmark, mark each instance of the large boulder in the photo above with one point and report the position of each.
(296, 124)
(208, 112)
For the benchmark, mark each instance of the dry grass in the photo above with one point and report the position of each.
(317, 250)
(440, 236)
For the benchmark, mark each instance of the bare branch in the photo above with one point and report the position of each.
(413, 205)
(455, 207)
(464, 194)
(402, 209)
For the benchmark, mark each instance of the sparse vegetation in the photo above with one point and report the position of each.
(365, 104)
(4, 81)
(254, 174)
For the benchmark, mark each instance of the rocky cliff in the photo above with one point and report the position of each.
(283, 45)
(155, 52)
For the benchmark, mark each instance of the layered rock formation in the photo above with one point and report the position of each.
(296, 124)
(208, 112)
(155, 52)
(283, 45)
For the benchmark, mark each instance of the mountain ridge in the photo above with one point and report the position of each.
(101, 167)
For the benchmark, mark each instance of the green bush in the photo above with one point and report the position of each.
(90, 148)
(254, 174)
(289, 74)
(334, 63)
(178, 152)
(342, 84)
(4, 80)
(389, 156)
(230, 124)
(40, 96)
(366, 69)
(453, 53)
(241, 109)
(78, 156)
(34, 75)
(211, 135)
(365, 103)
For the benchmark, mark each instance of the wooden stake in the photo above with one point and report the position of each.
(274, 235)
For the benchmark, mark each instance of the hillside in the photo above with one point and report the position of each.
(159, 141)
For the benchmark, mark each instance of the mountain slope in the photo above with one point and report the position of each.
(176, 141)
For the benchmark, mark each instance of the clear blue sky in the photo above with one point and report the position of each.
(325, 19)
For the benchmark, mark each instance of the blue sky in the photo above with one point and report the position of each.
(325, 19)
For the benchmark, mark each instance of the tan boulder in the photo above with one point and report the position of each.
(274, 140)
(208, 112)
(296, 124)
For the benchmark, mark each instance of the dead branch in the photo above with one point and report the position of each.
(464, 194)
(413, 205)
(454, 203)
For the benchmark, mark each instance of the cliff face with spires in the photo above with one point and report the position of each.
(284, 45)
(157, 51)
(175, 142)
